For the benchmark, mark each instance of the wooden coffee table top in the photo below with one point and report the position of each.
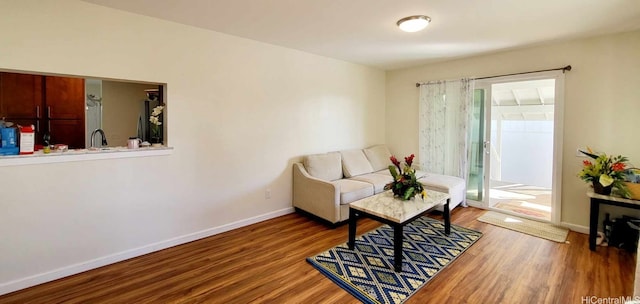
(384, 205)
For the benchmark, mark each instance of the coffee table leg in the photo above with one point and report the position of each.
(447, 218)
(397, 248)
(353, 220)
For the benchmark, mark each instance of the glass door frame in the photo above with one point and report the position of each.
(558, 130)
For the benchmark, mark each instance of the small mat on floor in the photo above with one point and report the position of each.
(367, 271)
(535, 228)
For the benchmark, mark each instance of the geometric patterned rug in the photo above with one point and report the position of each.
(367, 272)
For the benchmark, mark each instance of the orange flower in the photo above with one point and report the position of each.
(618, 167)
(587, 163)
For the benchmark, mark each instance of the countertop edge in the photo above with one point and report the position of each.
(72, 156)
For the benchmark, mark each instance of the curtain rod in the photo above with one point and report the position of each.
(564, 69)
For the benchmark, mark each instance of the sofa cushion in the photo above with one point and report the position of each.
(352, 190)
(327, 166)
(385, 172)
(355, 163)
(455, 186)
(378, 156)
(377, 180)
(441, 182)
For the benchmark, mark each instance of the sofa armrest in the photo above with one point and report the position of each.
(316, 196)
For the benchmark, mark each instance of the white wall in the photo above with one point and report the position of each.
(602, 104)
(240, 112)
(526, 144)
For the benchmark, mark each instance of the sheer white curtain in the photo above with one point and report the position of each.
(445, 110)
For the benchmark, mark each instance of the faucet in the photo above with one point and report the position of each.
(93, 136)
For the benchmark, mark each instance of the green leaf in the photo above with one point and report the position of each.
(408, 193)
(394, 172)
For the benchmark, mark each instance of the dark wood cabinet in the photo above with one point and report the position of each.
(53, 104)
(64, 97)
(65, 131)
(38, 127)
(20, 95)
(64, 110)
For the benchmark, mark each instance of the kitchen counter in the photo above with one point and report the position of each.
(39, 157)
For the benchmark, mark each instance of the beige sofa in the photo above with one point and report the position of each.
(325, 184)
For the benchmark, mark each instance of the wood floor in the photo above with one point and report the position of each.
(265, 263)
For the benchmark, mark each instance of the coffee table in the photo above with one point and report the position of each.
(383, 207)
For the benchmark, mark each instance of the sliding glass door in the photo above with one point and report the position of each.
(515, 145)
(475, 184)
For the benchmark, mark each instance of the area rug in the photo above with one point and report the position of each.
(367, 272)
(535, 228)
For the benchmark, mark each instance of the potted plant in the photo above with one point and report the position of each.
(405, 184)
(605, 173)
(155, 125)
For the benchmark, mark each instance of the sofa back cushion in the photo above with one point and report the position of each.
(378, 156)
(327, 166)
(354, 163)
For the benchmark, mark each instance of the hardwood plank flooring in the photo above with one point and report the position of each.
(265, 263)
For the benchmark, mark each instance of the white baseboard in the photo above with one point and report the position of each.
(576, 228)
(127, 254)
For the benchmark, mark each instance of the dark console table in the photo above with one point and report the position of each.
(596, 200)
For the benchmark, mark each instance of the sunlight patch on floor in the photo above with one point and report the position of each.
(536, 206)
(506, 186)
(499, 194)
(512, 220)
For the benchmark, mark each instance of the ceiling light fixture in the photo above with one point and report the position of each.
(413, 23)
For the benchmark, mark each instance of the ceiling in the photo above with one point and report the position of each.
(523, 93)
(365, 31)
(523, 100)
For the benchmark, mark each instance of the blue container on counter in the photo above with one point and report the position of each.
(8, 136)
(9, 151)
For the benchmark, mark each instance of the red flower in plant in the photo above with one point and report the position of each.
(409, 160)
(618, 167)
(394, 160)
(587, 163)
(396, 163)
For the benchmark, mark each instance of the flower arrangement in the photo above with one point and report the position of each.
(155, 123)
(607, 171)
(404, 184)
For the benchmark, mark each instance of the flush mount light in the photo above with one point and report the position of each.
(413, 23)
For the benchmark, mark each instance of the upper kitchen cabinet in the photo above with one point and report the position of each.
(64, 97)
(53, 104)
(21, 96)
